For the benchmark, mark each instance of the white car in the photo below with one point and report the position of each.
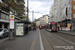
(3, 32)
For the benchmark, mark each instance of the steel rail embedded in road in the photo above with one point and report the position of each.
(64, 39)
(48, 42)
(54, 37)
(66, 33)
(56, 40)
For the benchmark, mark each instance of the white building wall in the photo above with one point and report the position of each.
(42, 21)
(51, 17)
(65, 4)
(37, 23)
(59, 10)
(46, 19)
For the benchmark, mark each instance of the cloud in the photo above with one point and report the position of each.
(41, 6)
(43, 0)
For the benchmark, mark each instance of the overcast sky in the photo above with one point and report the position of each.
(41, 6)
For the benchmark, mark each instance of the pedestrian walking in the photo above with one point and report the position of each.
(35, 28)
(58, 28)
(26, 29)
(70, 27)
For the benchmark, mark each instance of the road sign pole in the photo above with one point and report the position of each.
(12, 25)
(9, 25)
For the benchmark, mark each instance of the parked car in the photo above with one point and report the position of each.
(3, 32)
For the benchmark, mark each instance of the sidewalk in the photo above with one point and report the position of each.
(28, 42)
(68, 32)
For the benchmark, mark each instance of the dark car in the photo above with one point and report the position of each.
(3, 32)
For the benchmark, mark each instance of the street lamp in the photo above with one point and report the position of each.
(27, 9)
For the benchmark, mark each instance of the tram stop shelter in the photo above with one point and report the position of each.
(20, 28)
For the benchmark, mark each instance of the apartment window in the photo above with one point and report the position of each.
(74, 15)
(74, 7)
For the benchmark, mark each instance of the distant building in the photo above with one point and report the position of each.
(44, 20)
(37, 21)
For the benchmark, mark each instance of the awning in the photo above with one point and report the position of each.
(25, 22)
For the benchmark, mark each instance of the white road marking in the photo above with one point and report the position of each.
(64, 39)
(4, 40)
(41, 44)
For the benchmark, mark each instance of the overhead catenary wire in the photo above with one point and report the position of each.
(47, 5)
(36, 12)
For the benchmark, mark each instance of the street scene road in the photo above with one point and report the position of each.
(32, 41)
(57, 41)
(37, 24)
(27, 42)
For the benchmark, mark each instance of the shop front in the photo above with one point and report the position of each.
(73, 24)
(65, 25)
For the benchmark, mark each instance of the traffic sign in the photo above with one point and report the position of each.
(11, 21)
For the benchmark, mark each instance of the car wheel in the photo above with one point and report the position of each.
(3, 36)
(7, 35)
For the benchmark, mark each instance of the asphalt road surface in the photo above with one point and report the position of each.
(57, 41)
(28, 42)
(40, 40)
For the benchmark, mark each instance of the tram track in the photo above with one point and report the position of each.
(49, 44)
(58, 41)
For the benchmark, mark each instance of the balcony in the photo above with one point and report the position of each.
(4, 18)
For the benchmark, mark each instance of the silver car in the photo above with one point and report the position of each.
(3, 32)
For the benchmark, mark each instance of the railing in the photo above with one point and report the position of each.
(4, 16)
(5, 19)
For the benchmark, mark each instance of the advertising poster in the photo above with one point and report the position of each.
(19, 29)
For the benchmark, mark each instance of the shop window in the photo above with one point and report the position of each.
(4, 16)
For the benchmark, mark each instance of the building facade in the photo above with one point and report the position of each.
(37, 21)
(51, 16)
(73, 14)
(62, 12)
(4, 16)
(44, 20)
(6, 8)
